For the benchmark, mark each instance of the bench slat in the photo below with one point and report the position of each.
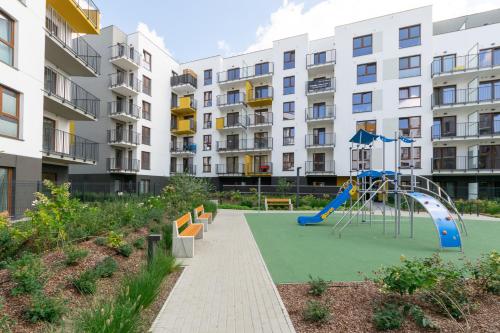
(192, 230)
(183, 220)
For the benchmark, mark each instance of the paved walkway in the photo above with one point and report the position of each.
(226, 287)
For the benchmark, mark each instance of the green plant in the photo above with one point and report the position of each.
(101, 241)
(27, 273)
(86, 282)
(45, 308)
(114, 240)
(6, 322)
(11, 238)
(106, 268)
(316, 311)
(387, 316)
(486, 272)
(283, 186)
(74, 255)
(420, 318)
(317, 286)
(247, 203)
(125, 250)
(210, 207)
(139, 243)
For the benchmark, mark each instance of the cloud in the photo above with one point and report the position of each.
(153, 36)
(292, 18)
(223, 46)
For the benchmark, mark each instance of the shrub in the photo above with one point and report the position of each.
(11, 238)
(101, 241)
(125, 250)
(317, 312)
(139, 243)
(45, 308)
(247, 203)
(420, 318)
(387, 316)
(105, 268)
(85, 283)
(317, 286)
(74, 255)
(27, 273)
(283, 186)
(114, 240)
(5, 321)
(210, 207)
(486, 272)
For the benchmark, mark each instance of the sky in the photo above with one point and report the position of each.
(193, 29)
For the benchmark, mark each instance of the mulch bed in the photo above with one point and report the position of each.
(351, 307)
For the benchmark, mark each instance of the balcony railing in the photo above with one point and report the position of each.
(260, 96)
(189, 169)
(122, 50)
(258, 168)
(318, 140)
(451, 64)
(320, 112)
(320, 58)
(184, 79)
(124, 108)
(184, 102)
(122, 78)
(183, 125)
(466, 130)
(59, 29)
(324, 167)
(90, 10)
(123, 136)
(229, 169)
(122, 165)
(466, 163)
(230, 99)
(457, 97)
(245, 73)
(68, 145)
(182, 147)
(67, 91)
(321, 85)
(245, 144)
(259, 119)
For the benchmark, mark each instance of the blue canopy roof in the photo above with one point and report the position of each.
(363, 137)
(375, 173)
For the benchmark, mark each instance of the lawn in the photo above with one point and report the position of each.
(292, 252)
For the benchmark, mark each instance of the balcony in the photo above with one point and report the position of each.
(485, 63)
(184, 127)
(182, 148)
(231, 170)
(320, 168)
(123, 138)
(323, 140)
(189, 169)
(262, 169)
(124, 84)
(185, 83)
(320, 87)
(244, 145)
(465, 99)
(259, 119)
(233, 101)
(125, 57)
(466, 164)
(124, 111)
(184, 106)
(65, 98)
(123, 165)
(67, 49)
(64, 147)
(320, 113)
(258, 97)
(321, 61)
(464, 131)
(250, 73)
(223, 123)
(82, 15)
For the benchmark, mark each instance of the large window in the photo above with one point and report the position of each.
(207, 142)
(207, 99)
(444, 158)
(489, 57)
(207, 77)
(146, 135)
(362, 45)
(289, 59)
(288, 161)
(410, 127)
(233, 74)
(262, 68)
(362, 102)
(9, 112)
(489, 123)
(409, 97)
(146, 110)
(288, 136)
(147, 60)
(145, 160)
(288, 110)
(233, 97)
(319, 58)
(367, 73)
(207, 120)
(361, 159)
(367, 125)
(288, 85)
(406, 157)
(444, 127)
(488, 91)
(207, 164)
(409, 66)
(146, 85)
(6, 39)
(262, 92)
(409, 36)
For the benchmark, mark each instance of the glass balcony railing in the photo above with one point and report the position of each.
(68, 145)
(451, 64)
(320, 112)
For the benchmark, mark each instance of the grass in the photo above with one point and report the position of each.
(292, 252)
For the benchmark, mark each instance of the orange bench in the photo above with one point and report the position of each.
(201, 217)
(183, 241)
(278, 202)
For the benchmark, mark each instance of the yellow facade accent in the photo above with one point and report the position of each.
(185, 107)
(248, 166)
(81, 19)
(219, 123)
(72, 131)
(255, 102)
(248, 91)
(185, 126)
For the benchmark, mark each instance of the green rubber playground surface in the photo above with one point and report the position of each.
(292, 252)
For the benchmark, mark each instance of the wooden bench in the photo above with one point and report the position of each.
(278, 202)
(201, 217)
(183, 242)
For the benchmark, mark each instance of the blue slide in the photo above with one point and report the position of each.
(449, 234)
(323, 214)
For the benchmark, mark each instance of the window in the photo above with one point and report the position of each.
(319, 110)
(409, 36)
(320, 137)
(262, 92)
(444, 158)
(409, 66)
(6, 189)
(288, 85)
(147, 60)
(367, 73)
(207, 142)
(289, 59)
(489, 123)
(288, 110)
(488, 91)
(146, 135)
(288, 161)
(445, 63)
(288, 136)
(361, 159)
(233, 141)
(207, 164)
(233, 74)
(207, 99)
(6, 39)
(9, 112)
(444, 127)
(367, 125)
(207, 120)
(319, 58)
(406, 158)
(232, 119)
(233, 97)
(318, 162)
(409, 97)
(145, 160)
(362, 102)
(362, 45)
(146, 85)
(146, 110)
(144, 186)
(410, 127)
(262, 68)
(489, 57)
(207, 77)
(445, 95)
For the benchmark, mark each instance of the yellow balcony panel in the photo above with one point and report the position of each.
(259, 96)
(82, 15)
(185, 106)
(260, 102)
(219, 123)
(185, 126)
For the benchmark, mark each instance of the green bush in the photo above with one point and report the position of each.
(317, 286)
(74, 255)
(139, 243)
(125, 250)
(420, 318)
(45, 308)
(106, 268)
(387, 316)
(246, 203)
(86, 282)
(166, 233)
(6, 322)
(27, 272)
(12, 238)
(486, 272)
(114, 240)
(210, 207)
(317, 312)
(101, 241)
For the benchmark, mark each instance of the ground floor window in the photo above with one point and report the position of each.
(207, 164)
(144, 186)
(5, 189)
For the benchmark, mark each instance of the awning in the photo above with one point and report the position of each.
(363, 137)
